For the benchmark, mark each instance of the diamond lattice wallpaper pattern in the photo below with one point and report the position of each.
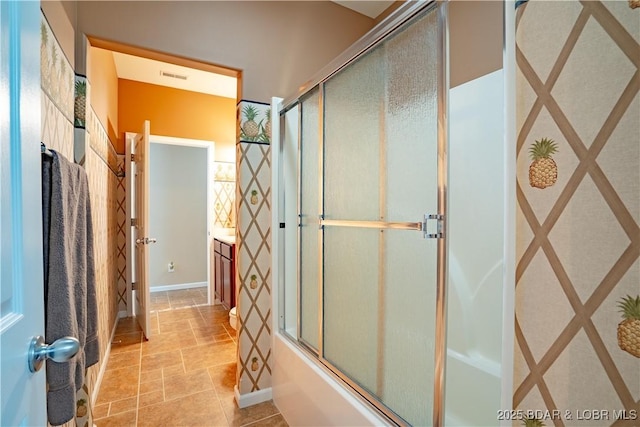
(578, 237)
(253, 282)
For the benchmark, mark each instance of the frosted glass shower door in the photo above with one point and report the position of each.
(379, 272)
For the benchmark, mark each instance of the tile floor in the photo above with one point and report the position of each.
(183, 376)
(169, 300)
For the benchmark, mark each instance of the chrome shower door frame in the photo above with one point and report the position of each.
(403, 15)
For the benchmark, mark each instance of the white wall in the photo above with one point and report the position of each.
(278, 45)
(178, 214)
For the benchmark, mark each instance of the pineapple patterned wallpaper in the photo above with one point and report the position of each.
(56, 74)
(224, 194)
(255, 122)
(59, 85)
(578, 233)
(80, 102)
(56, 80)
(253, 236)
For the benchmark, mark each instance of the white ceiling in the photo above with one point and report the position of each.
(150, 71)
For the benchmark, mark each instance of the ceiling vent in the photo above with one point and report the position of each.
(173, 75)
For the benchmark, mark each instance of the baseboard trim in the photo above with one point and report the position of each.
(177, 287)
(252, 398)
(105, 361)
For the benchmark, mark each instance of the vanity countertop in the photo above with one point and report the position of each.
(228, 239)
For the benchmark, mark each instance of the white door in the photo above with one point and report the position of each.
(140, 231)
(21, 287)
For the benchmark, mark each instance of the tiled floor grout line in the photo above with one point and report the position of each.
(201, 318)
(215, 390)
(261, 419)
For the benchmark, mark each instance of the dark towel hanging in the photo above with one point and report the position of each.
(70, 285)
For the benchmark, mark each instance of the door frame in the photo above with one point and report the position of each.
(184, 142)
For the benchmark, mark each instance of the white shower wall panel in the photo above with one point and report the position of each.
(475, 251)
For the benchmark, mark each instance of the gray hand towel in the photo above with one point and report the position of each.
(70, 297)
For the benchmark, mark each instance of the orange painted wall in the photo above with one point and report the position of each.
(175, 112)
(102, 75)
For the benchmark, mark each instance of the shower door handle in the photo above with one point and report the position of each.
(382, 225)
(439, 234)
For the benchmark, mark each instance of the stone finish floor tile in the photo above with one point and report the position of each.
(125, 419)
(183, 376)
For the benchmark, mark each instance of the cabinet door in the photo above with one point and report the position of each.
(217, 278)
(226, 282)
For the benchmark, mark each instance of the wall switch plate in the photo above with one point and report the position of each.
(171, 268)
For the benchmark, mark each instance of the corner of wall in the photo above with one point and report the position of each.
(253, 237)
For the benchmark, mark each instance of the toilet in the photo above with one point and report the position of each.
(233, 318)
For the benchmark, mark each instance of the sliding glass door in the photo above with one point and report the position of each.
(371, 179)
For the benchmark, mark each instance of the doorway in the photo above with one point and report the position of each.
(182, 214)
(181, 97)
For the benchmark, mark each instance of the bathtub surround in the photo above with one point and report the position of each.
(253, 237)
(578, 241)
(476, 331)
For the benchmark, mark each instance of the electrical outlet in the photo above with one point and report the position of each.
(171, 268)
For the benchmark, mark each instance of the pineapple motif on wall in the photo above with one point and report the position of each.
(254, 197)
(55, 77)
(44, 55)
(81, 408)
(543, 171)
(249, 129)
(266, 129)
(255, 122)
(80, 103)
(629, 328)
(532, 422)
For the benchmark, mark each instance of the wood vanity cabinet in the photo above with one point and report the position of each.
(225, 273)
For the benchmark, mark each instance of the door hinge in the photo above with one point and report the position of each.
(439, 234)
(134, 222)
(134, 286)
(133, 157)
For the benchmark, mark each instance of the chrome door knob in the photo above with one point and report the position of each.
(61, 350)
(150, 240)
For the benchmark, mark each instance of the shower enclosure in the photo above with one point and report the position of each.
(364, 225)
